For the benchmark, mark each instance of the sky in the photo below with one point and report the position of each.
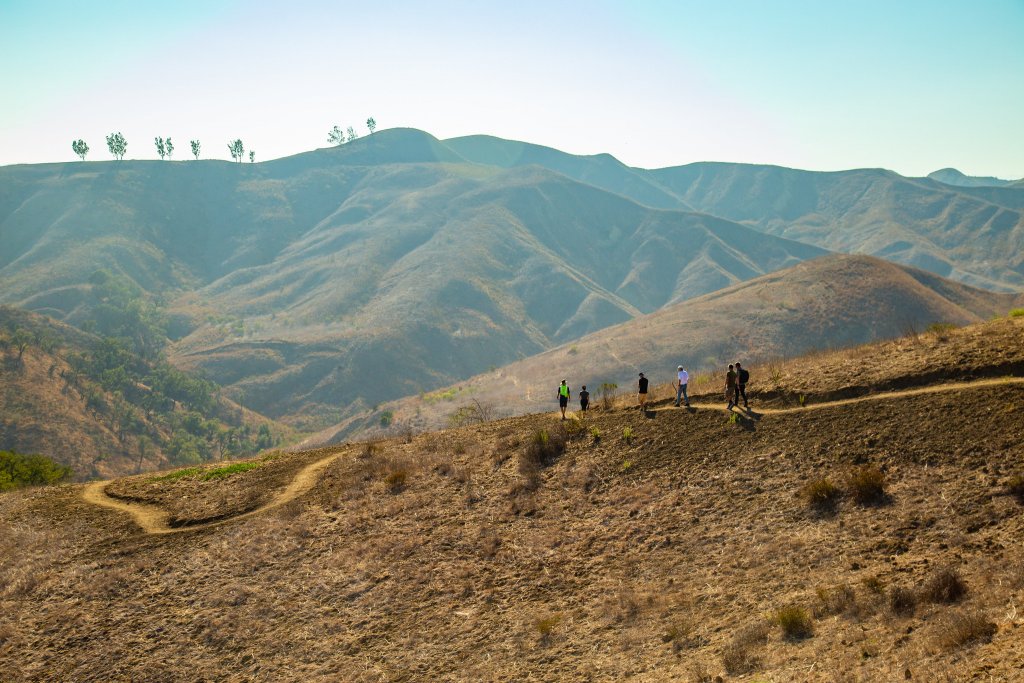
(912, 86)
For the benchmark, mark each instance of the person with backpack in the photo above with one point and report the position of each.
(563, 397)
(584, 399)
(730, 388)
(642, 392)
(682, 379)
(742, 377)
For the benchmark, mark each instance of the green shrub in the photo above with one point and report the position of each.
(867, 484)
(18, 470)
(627, 435)
(1017, 313)
(821, 495)
(795, 622)
(228, 470)
(595, 434)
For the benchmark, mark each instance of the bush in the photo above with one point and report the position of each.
(18, 470)
(738, 656)
(395, 480)
(795, 622)
(1016, 486)
(960, 628)
(902, 601)
(627, 435)
(1017, 313)
(944, 586)
(821, 495)
(867, 484)
(607, 393)
(941, 328)
(835, 600)
(542, 450)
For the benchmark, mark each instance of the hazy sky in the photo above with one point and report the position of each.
(909, 85)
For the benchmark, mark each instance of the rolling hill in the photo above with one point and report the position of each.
(873, 540)
(831, 302)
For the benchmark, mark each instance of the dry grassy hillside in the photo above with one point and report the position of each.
(832, 302)
(871, 541)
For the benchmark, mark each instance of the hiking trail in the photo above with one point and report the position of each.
(154, 520)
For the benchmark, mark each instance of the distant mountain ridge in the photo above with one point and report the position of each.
(952, 176)
(321, 284)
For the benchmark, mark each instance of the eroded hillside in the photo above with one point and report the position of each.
(876, 540)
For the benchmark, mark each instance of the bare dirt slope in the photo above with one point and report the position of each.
(656, 547)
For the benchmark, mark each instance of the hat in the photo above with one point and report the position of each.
(680, 367)
(641, 374)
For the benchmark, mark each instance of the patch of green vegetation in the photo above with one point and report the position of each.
(386, 418)
(18, 470)
(1017, 313)
(228, 470)
(446, 395)
(178, 474)
(795, 622)
(628, 435)
(940, 328)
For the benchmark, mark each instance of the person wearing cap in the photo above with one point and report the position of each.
(642, 391)
(682, 380)
(563, 397)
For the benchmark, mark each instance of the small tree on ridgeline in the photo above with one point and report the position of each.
(170, 148)
(237, 150)
(352, 134)
(252, 156)
(161, 149)
(195, 149)
(80, 148)
(371, 123)
(117, 145)
(336, 136)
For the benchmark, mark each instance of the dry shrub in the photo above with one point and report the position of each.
(739, 657)
(626, 605)
(867, 484)
(699, 673)
(945, 585)
(545, 627)
(542, 450)
(395, 480)
(835, 600)
(489, 542)
(1016, 486)
(962, 627)
(902, 601)
(821, 495)
(795, 622)
(873, 584)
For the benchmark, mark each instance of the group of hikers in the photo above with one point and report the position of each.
(735, 388)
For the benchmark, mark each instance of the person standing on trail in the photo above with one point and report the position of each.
(681, 381)
(584, 399)
(642, 391)
(730, 387)
(742, 377)
(563, 397)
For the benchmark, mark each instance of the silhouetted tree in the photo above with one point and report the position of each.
(336, 136)
(170, 148)
(161, 149)
(371, 123)
(195, 149)
(117, 145)
(80, 148)
(352, 134)
(237, 150)
(252, 156)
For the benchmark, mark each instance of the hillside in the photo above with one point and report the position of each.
(665, 548)
(78, 399)
(831, 302)
(952, 176)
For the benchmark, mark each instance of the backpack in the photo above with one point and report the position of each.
(744, 376)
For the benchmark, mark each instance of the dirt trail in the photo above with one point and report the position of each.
(154, 520)
(934, 389)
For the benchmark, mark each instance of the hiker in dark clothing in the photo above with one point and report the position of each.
(742, 377)
(642, 391)
(563, 397)
(584, 399)
(730, 388)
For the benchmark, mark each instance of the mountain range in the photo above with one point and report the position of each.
(318, 286)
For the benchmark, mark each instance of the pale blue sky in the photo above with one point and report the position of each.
(911, 85)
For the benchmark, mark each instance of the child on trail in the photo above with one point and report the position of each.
(742, 377)
(730, 387)
(563, 397)
(584, 399)
(642, 392)
(682, 380)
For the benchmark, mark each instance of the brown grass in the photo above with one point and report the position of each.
(821, 495)
(962, 627)
(867, 485)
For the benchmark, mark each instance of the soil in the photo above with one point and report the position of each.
(659, 550)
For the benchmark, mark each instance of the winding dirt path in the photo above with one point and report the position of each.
(153, 520)
(932, 389)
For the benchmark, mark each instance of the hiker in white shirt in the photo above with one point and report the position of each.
(681, 382)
